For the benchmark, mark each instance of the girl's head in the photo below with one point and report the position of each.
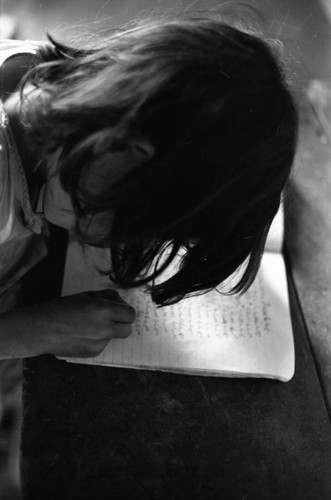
(174, 135)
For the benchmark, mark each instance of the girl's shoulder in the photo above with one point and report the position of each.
(19, 225)
(16, 215)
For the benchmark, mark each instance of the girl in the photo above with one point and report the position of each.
(175, 134)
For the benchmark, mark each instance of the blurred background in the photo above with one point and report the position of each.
(302, 25)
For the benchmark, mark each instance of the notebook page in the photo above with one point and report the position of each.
(275, 236)
(210, 334)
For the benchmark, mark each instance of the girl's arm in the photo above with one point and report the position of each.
(74, 326)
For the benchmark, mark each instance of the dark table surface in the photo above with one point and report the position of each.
(96, 432)
(105, 433)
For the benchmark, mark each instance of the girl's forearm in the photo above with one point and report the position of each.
(74, 326)
(14, 335)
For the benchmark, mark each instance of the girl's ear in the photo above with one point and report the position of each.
(140, 148)
(108, 167)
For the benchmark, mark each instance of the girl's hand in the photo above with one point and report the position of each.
(74, 326)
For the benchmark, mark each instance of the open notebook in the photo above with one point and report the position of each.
(212, 334)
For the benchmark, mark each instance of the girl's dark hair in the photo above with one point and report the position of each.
(213, 101)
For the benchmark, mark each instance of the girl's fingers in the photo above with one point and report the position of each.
(121, 313)
(121, 330)
(119, 310)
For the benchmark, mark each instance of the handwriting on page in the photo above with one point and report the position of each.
(208, 332)
(234, 317)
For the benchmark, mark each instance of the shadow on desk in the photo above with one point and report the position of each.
(99, 433)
